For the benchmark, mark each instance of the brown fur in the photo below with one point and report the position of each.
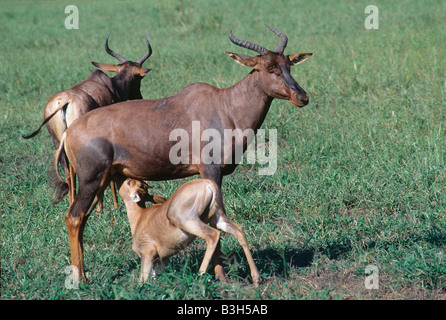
(162, 230)
(98, 90)
(132, 138)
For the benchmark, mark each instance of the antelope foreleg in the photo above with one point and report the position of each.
(71, 180)
(75, 227)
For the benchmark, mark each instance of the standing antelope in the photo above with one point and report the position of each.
(162, 230)
(132, 138)
(98, 90)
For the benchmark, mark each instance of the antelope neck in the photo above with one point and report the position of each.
(248, 103)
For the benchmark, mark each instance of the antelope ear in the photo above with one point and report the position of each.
(135, 197)
(242, 59)
(106, 67)
(297, 58)
(143, 71)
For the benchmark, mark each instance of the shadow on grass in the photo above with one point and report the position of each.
(436, 236)
(336, 249)
(277, 261)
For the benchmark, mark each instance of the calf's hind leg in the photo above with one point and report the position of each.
(210, 235)
(221, 221)
(213, 172)
(190, 222)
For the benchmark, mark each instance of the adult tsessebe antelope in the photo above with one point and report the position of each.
(132, 138)
(162, 230)
(98, 90)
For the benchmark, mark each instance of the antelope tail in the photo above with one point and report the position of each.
(45, 121)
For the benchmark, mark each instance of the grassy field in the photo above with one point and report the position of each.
(361, 174)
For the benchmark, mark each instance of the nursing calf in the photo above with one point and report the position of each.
(164, 229)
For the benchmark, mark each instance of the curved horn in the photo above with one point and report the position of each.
(283, 43)
(149, 52)
(248, 45)
(112, 53)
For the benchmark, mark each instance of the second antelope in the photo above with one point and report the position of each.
(137, 144)
(164, 229)
(98, 90)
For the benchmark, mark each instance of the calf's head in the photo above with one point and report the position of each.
(134, 190)
(137, 191)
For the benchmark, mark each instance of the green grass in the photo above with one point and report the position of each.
(361, 175)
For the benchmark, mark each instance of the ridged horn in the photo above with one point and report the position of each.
(283, 42)
(248, 45)
(147, 55)
(112, 53)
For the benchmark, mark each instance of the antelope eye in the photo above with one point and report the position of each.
(270, 68)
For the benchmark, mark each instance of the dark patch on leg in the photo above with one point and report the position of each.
(100, 152)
